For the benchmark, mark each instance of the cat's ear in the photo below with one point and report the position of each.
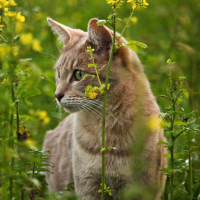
(60, 29)
(100, 36)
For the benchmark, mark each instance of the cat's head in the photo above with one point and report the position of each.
(72, 65)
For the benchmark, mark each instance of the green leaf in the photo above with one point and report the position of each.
(32, 93)
(103, 150)
(185, 92)
(194, 148)
(88, 90)
(110, 148)
(180, 123)
(89, 75)
(161, 142)
(170, 62)
(101, 22)
(133, 45)
(167, 155)
(165, 170)
(92, 65)
(164, 124)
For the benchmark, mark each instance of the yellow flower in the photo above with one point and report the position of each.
(30, 142)
(9, 14)
(12, 3)
(46, 120)
(4, 50)
(1, 25)
(92, 95)
(113, 2)
(43, 116)
(15, 50)
(5, 80)
(19, 17)
(145, 3)
(19, 26)
(36, 45)
(129, 1)
(134, 6)
(26, 38)
(154, 123)
(134, 20)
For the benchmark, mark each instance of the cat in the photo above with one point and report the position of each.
(76, 142)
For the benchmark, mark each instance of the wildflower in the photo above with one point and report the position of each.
(9, 14)
(36, 45)
(134, 20)
(12, 3)
(30, 142)
(19, 27)
(43, 116)
(23, 133)
(92, 95)
(5, 80)
(134, 6)
(26, 38)
(4, 50)
(145, 3)
(19, 17)
(15, 50)
(113, 2)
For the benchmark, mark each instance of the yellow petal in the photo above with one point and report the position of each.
(36, 45)
(134, 6)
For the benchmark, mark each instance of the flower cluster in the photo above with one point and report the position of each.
(28, 40)
(44, 117)
(5, 7)
(138, 3)
(92, 92)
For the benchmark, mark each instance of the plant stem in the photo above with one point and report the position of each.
(104, 110)
(166, 192)
(97, 74)
(127, 22)
(11, 144)
(190, 177)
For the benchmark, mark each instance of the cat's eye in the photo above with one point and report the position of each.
(79, 74)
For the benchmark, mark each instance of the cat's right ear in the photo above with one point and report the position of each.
(60, 29)
(99, 35)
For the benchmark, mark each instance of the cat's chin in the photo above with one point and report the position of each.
(71, 109)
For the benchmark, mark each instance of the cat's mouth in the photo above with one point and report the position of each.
(71, 104)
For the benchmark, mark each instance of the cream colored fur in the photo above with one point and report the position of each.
(76, 142)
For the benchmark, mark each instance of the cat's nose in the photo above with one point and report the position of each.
(59, 96)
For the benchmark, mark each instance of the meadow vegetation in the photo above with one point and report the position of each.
(28, 51)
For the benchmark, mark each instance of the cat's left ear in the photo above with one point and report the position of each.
(100, 36)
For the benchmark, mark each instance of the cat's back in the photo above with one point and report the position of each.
(59, 142)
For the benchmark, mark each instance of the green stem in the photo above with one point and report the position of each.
(190, 177)
(172, 147)
(97, 75)
(166, 192)
(129, 19)
(104, 110)
(11, 144)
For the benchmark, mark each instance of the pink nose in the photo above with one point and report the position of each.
(59, 96)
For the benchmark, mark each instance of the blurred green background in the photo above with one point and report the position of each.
(170, 28)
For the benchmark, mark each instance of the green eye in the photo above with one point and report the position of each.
(79, 74)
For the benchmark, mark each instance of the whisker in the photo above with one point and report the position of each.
(107, 109)
(95, 111)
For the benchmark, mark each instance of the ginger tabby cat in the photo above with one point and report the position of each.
(76, 142)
